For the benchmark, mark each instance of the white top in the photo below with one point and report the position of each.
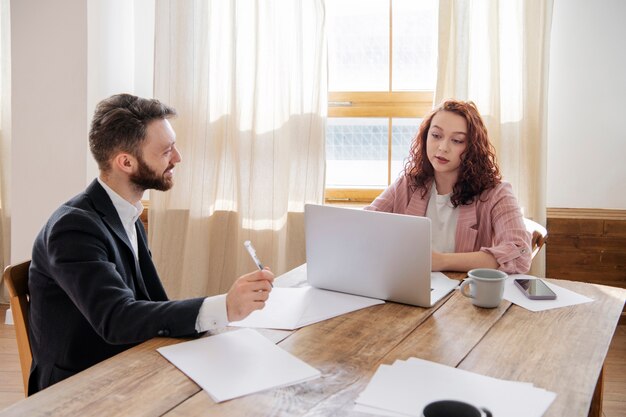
(443, 217)
(212, 314)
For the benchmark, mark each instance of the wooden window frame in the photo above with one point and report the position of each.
(384, 104)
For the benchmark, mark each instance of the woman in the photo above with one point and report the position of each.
(452, 178)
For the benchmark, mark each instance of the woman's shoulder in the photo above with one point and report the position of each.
(500, 190)
(502, 187)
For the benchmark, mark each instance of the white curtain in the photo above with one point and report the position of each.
(248, 79)
(5, 151)
(496, 53)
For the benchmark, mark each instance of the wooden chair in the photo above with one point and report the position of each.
(16, 279)
(539, 235)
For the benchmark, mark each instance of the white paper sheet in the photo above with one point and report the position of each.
(292, 308)
(564, 297)
(237, 363)
(293, 278)
(406, 387)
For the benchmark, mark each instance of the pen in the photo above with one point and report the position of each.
(252, 253)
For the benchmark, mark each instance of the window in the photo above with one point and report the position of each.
(381, 76)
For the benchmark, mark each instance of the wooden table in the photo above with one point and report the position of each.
(561, 350)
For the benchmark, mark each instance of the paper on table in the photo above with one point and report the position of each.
(292, 308)
(564, 297)
(237, 363)
(406, 387)
(324, 304)
(292, 278)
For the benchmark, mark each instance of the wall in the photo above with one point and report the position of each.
(48, 111)
(586, 139)
(66, 56)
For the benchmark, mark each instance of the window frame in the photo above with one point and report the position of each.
(385, 104)
(379, 104)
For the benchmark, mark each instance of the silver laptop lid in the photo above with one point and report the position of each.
(374, 254)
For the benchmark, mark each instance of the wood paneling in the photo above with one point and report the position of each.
(587, 245)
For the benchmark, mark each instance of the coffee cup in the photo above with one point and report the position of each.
(486, 287)
(452, 408)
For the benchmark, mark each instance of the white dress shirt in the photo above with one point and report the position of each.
(212, 314)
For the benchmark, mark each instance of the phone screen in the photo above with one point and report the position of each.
(535, 289)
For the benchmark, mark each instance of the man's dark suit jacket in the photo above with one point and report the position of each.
(89, 298)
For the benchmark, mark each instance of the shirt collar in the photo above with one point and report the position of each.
(129, 213)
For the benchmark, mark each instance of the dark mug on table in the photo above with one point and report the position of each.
(452, 408)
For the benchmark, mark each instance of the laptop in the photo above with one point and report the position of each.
(373, 254)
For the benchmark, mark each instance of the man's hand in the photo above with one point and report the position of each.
(248, 293)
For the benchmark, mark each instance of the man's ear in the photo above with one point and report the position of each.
(125, 162)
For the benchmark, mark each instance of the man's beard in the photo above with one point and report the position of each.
(147, 179)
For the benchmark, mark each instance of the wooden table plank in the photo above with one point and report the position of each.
(450, 333)
(346, 349)
(562, 335)
(348, 356)
(448, 336)
(110, 387)
(335, 347)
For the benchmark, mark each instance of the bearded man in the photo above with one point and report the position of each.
(94, 290)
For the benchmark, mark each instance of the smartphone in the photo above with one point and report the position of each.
(535, 289)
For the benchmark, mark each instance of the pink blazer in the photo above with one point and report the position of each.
(493, 223)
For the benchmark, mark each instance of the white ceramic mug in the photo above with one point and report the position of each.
(452, 408)
(486, 287)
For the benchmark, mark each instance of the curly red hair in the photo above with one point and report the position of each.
(479, 169)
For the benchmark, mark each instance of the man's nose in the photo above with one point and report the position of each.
(176, 156)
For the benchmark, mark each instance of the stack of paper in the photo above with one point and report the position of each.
(406, 387)
(292, 308)
(237, 363)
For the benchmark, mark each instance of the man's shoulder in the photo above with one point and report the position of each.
(75, 213)
(79, 209)
(84, 204)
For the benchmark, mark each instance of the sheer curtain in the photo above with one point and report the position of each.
(5, 128)
(248, 79)
(496, 53)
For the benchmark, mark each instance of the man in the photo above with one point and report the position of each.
(94, 291)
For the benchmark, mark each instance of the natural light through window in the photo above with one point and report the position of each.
(382, 62)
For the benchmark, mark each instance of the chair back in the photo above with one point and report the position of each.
(539, 235)
(16, 279)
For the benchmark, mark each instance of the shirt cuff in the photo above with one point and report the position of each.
(212, 314)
